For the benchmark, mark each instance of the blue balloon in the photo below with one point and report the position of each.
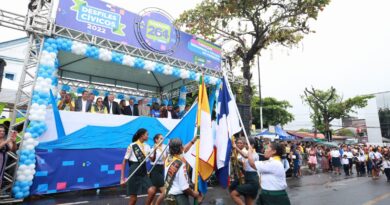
(43, 95)
(28, 161)
(26, 193)
(192, 76)
(19, 195)
(29, 183)
(24, 184)
(159, 68)
(22, 158)
(31, 157)
(50, 40)
(139, 63)
(176, 72)
(16, 189)
(207, 79)
(25, 189)
(34, 135)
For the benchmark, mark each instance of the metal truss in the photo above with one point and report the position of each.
(129, 50)
(22, 101)
(75, 83)
(37, 23)
(12, 20)
(39, 20)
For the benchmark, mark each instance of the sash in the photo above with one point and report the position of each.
(138, 153)
(171, 174)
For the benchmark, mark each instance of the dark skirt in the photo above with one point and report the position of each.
(251, 186)
(273, 198)
(336, 162)
(182, 199)
(139, 183)
(157, 176)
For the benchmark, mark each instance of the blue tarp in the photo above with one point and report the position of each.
(283, 135)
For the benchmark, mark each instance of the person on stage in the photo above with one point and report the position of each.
(139, 183)
(177, 188)
(157, 173)
(251, 186)
(273, 177)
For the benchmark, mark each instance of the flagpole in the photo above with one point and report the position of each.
(200, 99)
(150, 153)
(237, 112)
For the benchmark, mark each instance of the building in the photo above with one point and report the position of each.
(13, 53)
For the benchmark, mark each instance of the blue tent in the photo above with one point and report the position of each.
(283, 135)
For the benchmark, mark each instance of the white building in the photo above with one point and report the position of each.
(13, 53)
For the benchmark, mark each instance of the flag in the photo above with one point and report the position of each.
(186, 127)
(59, 126)
(227, 125)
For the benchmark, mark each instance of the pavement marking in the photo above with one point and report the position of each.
(74, 203)
(377, 199)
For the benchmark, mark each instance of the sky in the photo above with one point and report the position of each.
(349, 51)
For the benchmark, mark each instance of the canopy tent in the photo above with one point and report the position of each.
(278, 134)
(93, 71)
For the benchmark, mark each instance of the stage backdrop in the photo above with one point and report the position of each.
(89, 151)
(152, 30)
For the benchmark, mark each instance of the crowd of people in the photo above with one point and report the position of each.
(87, 103)
(170, 172)
(364, 160)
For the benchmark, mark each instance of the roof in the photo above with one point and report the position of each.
(13, 42)
(311, 135)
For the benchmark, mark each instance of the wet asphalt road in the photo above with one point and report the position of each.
(318, 189)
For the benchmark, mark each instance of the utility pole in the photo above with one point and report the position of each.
(261, 101)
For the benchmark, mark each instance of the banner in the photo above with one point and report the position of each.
(151, 30)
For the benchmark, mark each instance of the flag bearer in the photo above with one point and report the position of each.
(273, 177)
(251, 186)
(177, 188)
(139, 183)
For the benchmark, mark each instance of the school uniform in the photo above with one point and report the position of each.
(251, 185)
(361, 159)
(179, 183)
(157, 174)
(349, 157)
(273, 182)
(139, 183)
(386, 165)
(345, 163)
(335, 158)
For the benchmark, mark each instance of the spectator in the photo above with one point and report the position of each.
(131, 109)
(386, 163)
(163, 111)
(175, 112)
(5, 146)
(62, 94)
(66, 103)
(155, 112)
(99, 107)
(142, 108)
(113, 107)
(122, 105)
(82, 103)
(91, 97)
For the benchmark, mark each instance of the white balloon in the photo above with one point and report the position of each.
(26, 172)
(167, 70)
(31, 166)
(79, 48)
(30, 177)
(27, 135)
(21, 177)
(29, 147)
(36, 142)
(128, 60)
(184, 74)
(149, 65)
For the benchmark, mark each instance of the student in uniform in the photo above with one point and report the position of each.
(176, 185)
(251, 186)
(273, 177)
(139, 183)
(157, 174)
(345, 163)
(336, 163)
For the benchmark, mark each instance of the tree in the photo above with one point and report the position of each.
(274, 111)
(345, 132)
(249, 26)
(327, 105)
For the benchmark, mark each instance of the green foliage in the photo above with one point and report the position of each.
(345, 132)
(250, 26)
(274, 111)
(327, 105)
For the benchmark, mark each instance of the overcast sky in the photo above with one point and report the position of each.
(350, 51)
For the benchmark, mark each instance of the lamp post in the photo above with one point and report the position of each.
(261, 101)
